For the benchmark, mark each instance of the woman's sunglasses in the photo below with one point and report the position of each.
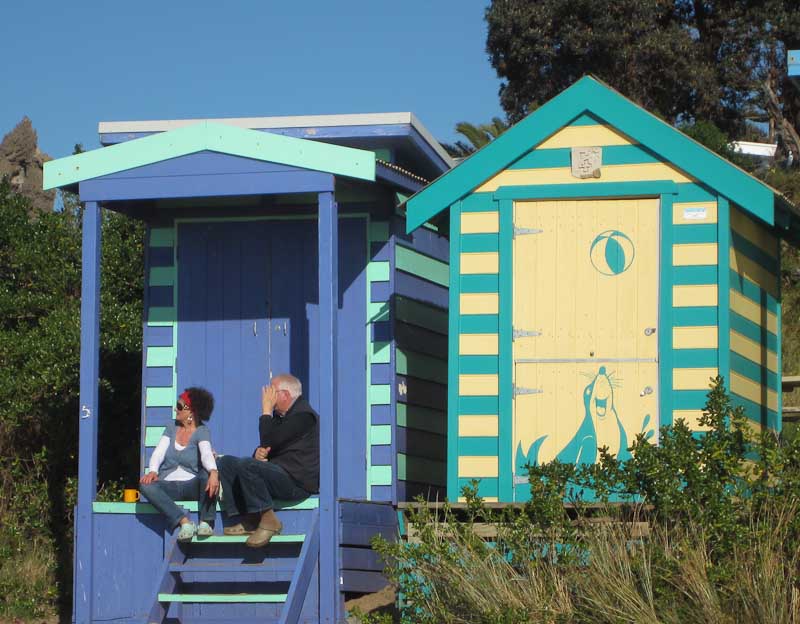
(180, 406)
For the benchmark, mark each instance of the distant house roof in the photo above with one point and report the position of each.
(201, 136)
(590, 96)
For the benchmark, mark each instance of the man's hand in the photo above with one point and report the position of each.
(149, 478)
(212, 487)
(269, 396)
(261, 453)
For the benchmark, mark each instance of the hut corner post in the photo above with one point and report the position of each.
(330, 603)
(87, 417)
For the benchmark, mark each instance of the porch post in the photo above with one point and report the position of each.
(87, 417)
(329, 595)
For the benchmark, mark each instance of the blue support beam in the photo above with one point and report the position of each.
(330, 600)
(87, 418)
(793, 66)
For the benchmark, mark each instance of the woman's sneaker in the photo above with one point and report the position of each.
(204, 529)
(187, 532)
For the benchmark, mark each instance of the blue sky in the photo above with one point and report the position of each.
(68, 65)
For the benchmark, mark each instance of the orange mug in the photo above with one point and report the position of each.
(130, 496)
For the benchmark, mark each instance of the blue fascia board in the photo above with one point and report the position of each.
(590, 95)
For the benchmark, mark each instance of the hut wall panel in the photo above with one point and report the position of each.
(755, 319)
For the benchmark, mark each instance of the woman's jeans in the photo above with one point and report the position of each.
(163, 494)
(250, 485)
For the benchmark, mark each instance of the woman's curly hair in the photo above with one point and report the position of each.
(202, 403)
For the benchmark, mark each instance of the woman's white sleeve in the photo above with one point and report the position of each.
(207, 455)
(159, 454)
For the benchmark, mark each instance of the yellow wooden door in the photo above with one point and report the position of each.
(585, 323)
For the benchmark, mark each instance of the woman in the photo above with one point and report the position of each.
(176, 466)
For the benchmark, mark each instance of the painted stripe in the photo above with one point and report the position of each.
(421, 469)
(476, 467)
(758, 235)
(161, 317)
(480, 222)
(162, 237)
(692, 213)
(380, 434)
(483, 446)
(754, 351)
(477, 385)
(159, 397)
(421, 366)
(695, 337)
(692, 417)
(223, 598)
(695, 358)
(698, 233)
(562, 157)
(754, 370)
(378, 231)
(753, 312)
(692, 378)
(753, 291)
(487, 488)
(378, 271)
(757, 414)
(755, 253)
(647, 172)
(753, 271)
(690, 316)
(146, 508)
(469, 405)
(479, 283)
(152, 435)
(380, 475)
(477, 425)
(689, 399)
(478, 263)
(579, 136)
(380, 395)
(420, 314)
(480, 242)
(754, 332)
(690, 296)
(423, 418)
(162, 276)
(378, 311)
(479, 323)
(694, 275)
(381, 352)
(421, 265)
(698, 254)
(753, 391)
(160, 356)
(477, 344)
(479, 303)
(478, 364)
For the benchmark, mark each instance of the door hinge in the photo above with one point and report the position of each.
(518, 390)
(522, 231)
(524, 333)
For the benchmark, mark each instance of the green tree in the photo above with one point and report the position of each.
(476, 136)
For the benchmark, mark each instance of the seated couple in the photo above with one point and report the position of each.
(285, 465)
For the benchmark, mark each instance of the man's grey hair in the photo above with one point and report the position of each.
(289, 383)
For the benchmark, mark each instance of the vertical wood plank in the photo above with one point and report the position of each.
(330, 604)
(87, 418)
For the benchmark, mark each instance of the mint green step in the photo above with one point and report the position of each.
(289, 538)
(146, 508)
(273, 598)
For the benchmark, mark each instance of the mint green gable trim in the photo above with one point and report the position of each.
(665, 321)
(421, 265)
(587, 190)
(505, 358)
(590, 95)
(216, 137)
(454, 329)
(152, 435)
(723, 288)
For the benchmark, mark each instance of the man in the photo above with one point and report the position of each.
(284, 466)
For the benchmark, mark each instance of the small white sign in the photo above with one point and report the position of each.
(694, 214)
(586, 162)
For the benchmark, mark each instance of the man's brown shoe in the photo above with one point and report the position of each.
(267, 527)
(248, 524)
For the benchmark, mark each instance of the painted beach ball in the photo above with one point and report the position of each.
(612, 252)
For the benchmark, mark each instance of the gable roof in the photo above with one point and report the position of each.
(215, 137)
(589, 95)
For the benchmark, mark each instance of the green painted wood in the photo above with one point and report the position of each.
(192, 598)
(380, 434)
(160, 397)
(723, 288)
(505, 399)
(290, 538)
(421, 265)
(478, 364)
(152, 435)
(380, 475)
(146, 508)
(380, 395)
(416, 313)
(454, 327)
(161, 315)
(378, 271)
(479, 242)
(484, 446)
(378, 312)
(421, 366)
(423, 418)
(381, 352)
(421, 469)
(265, 146)
(160, 356)
(477, 202)
(665, 312)
(162, 276)
(162, 237)
(378, 231)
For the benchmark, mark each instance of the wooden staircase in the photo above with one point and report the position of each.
(219, 579)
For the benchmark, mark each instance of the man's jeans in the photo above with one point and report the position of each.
(250, 485)
(163, 494)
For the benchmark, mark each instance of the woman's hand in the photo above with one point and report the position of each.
(149, 478)
(212, 487)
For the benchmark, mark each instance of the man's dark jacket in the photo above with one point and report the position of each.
(293, 440)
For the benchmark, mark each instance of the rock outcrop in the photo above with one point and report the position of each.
(23, 163)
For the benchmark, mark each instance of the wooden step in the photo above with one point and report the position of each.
(195, 598)
(293, 538)
(274, 565)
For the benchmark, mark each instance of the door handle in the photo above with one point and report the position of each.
(255, 328)
(649, 331)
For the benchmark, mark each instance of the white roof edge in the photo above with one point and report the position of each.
(301, 121)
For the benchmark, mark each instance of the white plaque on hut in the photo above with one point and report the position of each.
(586, 162)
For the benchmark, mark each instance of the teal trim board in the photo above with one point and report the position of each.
(723, 303)
(561, 157)
(506, 371)
(454, 322)
(665, 364)
(590, 96)
(588, 190)
(216, 137)
(421, 265)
